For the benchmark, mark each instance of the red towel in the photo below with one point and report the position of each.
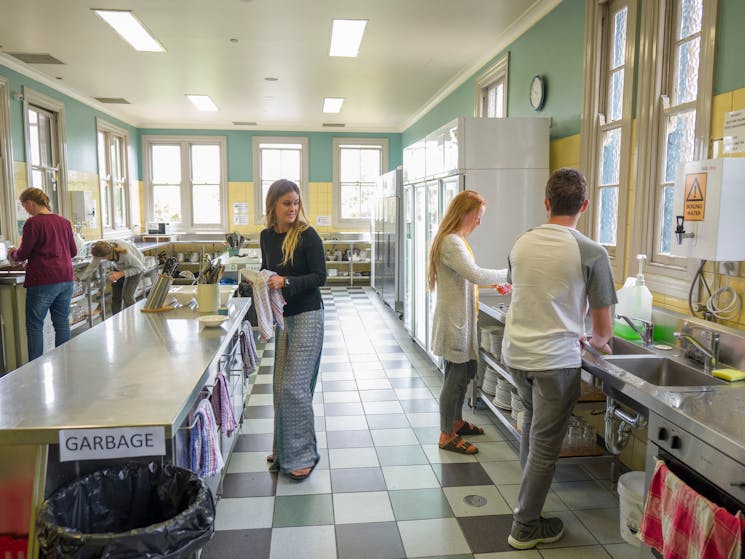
(681, 524)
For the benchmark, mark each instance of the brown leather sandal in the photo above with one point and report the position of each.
(470, 429)
(460, 445)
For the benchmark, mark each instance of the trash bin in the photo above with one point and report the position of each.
(631, 505)
(135, 510)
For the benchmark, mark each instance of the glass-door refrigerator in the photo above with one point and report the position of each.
(407, 271)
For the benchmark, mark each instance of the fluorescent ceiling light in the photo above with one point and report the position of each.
(346, 36)
(332, 104)
(202, 102)
(131, 29)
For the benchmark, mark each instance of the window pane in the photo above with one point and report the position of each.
(367, 196)
(679, 145)
(619, 38)
(271, 164)
(610, 157)
(33, 133)
(103, 173)
(116, 165)
(691, 13)
(668, 194)
(167, 203)
(616, 96)
(205, 164)
(686, 85)
(120, 205)
(206, 203)
(350, 201)
(608, 216)
(264, 189)
(370, 165)
(36, 179)
(349, 165)
(166, 164)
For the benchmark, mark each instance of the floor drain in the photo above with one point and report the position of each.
(474, 500)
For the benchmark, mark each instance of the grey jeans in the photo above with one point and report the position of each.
(453, 393)
(123, 290)
(549, 398)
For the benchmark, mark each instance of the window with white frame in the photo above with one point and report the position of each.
(606, 150)
(186, 181)
(278, 158)
(674, 98)
(112, 143)
(491, 90)
(357, 165)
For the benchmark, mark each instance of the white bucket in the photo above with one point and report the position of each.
(631, 505)
(208, 297)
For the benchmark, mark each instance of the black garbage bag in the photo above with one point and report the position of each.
(135, 510)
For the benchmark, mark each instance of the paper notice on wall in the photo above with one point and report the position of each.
(323, 220)
(240, 213)
(734, 132)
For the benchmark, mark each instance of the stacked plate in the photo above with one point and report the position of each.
(517, 405)
(495, 339)
(503, 397)
(489, 385)
(489, 334)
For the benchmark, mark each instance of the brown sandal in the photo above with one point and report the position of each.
(468, 429)
(460, 445)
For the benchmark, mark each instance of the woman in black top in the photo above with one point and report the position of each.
(293, 250)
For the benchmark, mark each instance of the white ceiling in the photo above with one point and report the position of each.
(414, 52)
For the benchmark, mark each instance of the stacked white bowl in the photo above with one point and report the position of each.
(489, 385)
(503, 397)
(517, 404)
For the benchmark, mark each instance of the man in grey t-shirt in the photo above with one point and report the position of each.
(556, 274)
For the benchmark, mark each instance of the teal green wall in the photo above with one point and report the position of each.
(553, 48)
(80, 124)
(729, 73)
(240, 150)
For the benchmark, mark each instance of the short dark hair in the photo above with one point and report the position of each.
(566, 191)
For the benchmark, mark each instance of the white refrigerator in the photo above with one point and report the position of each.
(505, 160)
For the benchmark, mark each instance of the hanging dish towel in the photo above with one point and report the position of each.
(222, 405)
(205, 459)
(681, 524)
(248, 349)
(269, 304)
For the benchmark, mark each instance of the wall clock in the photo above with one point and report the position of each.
(537, 94)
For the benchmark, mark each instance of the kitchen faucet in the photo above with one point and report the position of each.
(647, 330)
(711, 353)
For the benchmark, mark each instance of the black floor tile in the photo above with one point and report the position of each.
(251, 484)
(343, 408)
(266, 369)
(258, 412)
(349, 439)
(255, 442)
(268, 353)
(352, 480)
(487, 534)
(238, 543)
(262, 388)
(376, 540)
(461, 474)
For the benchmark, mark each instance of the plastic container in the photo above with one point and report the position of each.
(131, 511)
(631, 505)
(634, 301)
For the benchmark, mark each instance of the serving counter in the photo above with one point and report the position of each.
(144, 371)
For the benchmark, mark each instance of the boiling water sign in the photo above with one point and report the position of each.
(120, 442)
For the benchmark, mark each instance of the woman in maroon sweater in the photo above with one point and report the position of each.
(49, 246)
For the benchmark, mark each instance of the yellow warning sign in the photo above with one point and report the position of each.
(694, 203)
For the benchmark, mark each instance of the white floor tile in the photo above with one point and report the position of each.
(304, 542)
(354, 508)
(424, 419)
(318, 482)
(432, 538)
(591, 552)
(410, 477)
(244, 513)
(341, 397)
(346, 423)
(373, 384)
(414, 393)
(256, 426)
(439, 456)
(382, 407)
(393, 437)
(241, 462)
(260, 400)
(365, 457)
(552, 505)
(603, 523)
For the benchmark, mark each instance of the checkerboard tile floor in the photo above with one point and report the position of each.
(383, 489)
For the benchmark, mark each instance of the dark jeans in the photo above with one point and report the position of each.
(40, 299)
(453, 393)
(123, 290)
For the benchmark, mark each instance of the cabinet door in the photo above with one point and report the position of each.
(408, 269)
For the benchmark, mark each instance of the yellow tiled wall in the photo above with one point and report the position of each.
(564, 153)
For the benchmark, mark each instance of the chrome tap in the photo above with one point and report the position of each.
(647, 330)
(711, 353)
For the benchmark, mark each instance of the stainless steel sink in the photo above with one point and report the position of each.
(619, 346)
(663, 371)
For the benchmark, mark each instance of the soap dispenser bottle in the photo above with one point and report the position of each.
(634, 301)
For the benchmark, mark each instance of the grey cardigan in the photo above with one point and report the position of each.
(454, 327)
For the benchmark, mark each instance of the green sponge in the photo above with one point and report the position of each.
(730, 375)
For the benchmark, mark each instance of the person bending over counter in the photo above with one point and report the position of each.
(128, 265)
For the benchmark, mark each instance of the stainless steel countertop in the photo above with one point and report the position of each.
(133, 369)
(715, 414)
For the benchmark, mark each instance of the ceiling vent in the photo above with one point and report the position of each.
(334, 124)
(112, 100)
(35, 58)
(242, 123)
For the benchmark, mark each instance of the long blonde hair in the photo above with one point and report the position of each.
(278, 189)
(465, 202)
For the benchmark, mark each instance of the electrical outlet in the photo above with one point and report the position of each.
(727, 268)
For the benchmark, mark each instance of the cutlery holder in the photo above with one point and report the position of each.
(208, 297)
